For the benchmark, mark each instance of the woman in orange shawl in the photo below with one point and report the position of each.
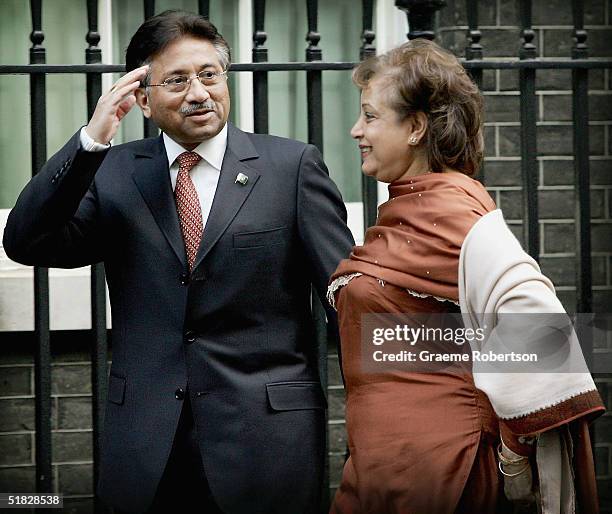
(429, 442)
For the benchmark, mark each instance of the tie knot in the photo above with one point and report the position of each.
(188, 160)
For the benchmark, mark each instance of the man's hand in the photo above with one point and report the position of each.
(114, 105)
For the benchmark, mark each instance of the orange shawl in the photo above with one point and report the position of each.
(417, 239)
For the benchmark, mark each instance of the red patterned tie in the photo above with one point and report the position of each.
(188, 205)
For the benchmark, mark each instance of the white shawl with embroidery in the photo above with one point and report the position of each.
(496, 278)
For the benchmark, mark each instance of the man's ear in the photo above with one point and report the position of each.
(142, 99)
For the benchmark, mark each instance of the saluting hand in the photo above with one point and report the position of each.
(114, 105)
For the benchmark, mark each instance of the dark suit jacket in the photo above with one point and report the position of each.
(238, 332)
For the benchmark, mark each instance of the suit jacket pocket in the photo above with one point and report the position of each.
(116, 389)
(273, 236)
(298, 395)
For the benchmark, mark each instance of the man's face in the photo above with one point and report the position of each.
(197, 113)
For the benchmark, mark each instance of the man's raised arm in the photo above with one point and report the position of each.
(54, 220)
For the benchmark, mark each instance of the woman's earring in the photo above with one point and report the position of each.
(412, 140)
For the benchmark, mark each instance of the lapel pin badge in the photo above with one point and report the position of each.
(241, 179)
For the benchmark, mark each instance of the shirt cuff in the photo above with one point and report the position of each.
(89, 145)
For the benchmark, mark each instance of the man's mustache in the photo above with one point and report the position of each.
(191, 108)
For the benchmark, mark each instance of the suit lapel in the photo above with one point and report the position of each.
(152, 177)
(230, 195)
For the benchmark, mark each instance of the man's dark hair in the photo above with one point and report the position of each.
(159, 31)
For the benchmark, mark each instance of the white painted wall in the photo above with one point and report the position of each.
(69, 295)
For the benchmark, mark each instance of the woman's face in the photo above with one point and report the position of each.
(384, 140)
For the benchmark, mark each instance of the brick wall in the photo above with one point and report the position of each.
(70, 419)
(337, 425)
(552, 23)
(501, 38)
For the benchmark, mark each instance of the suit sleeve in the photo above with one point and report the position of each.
(321, 220)
(55, 221)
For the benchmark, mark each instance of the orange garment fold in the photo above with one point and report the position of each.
(417, 238)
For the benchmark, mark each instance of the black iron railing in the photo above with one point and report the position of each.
(421, 15)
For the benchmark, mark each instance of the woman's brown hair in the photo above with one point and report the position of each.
(421, 76)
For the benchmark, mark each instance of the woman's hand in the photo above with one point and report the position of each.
(518, 475)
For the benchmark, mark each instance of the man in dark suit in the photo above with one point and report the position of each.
(211, 238)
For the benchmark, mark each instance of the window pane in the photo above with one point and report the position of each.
(286, 25)
(64, 24)
(65, 27)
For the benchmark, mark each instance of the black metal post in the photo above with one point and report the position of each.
(99, 364)
(583, 266)
(529, 135)
(204, 8)
(474, 49)
(580, 86)
(260, 78)
(367, 35)
(421, 16)
(313, 79)
(473, 52)
(369, 186)
(149, 127)
(42, 359)
(314, 93)
(149, 8)
(582, 181)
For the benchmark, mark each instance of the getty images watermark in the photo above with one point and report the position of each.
(504, 343)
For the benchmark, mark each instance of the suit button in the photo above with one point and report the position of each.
(184, 279)
(190, 337)
(179, 394)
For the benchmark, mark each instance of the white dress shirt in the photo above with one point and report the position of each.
(204, 175)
